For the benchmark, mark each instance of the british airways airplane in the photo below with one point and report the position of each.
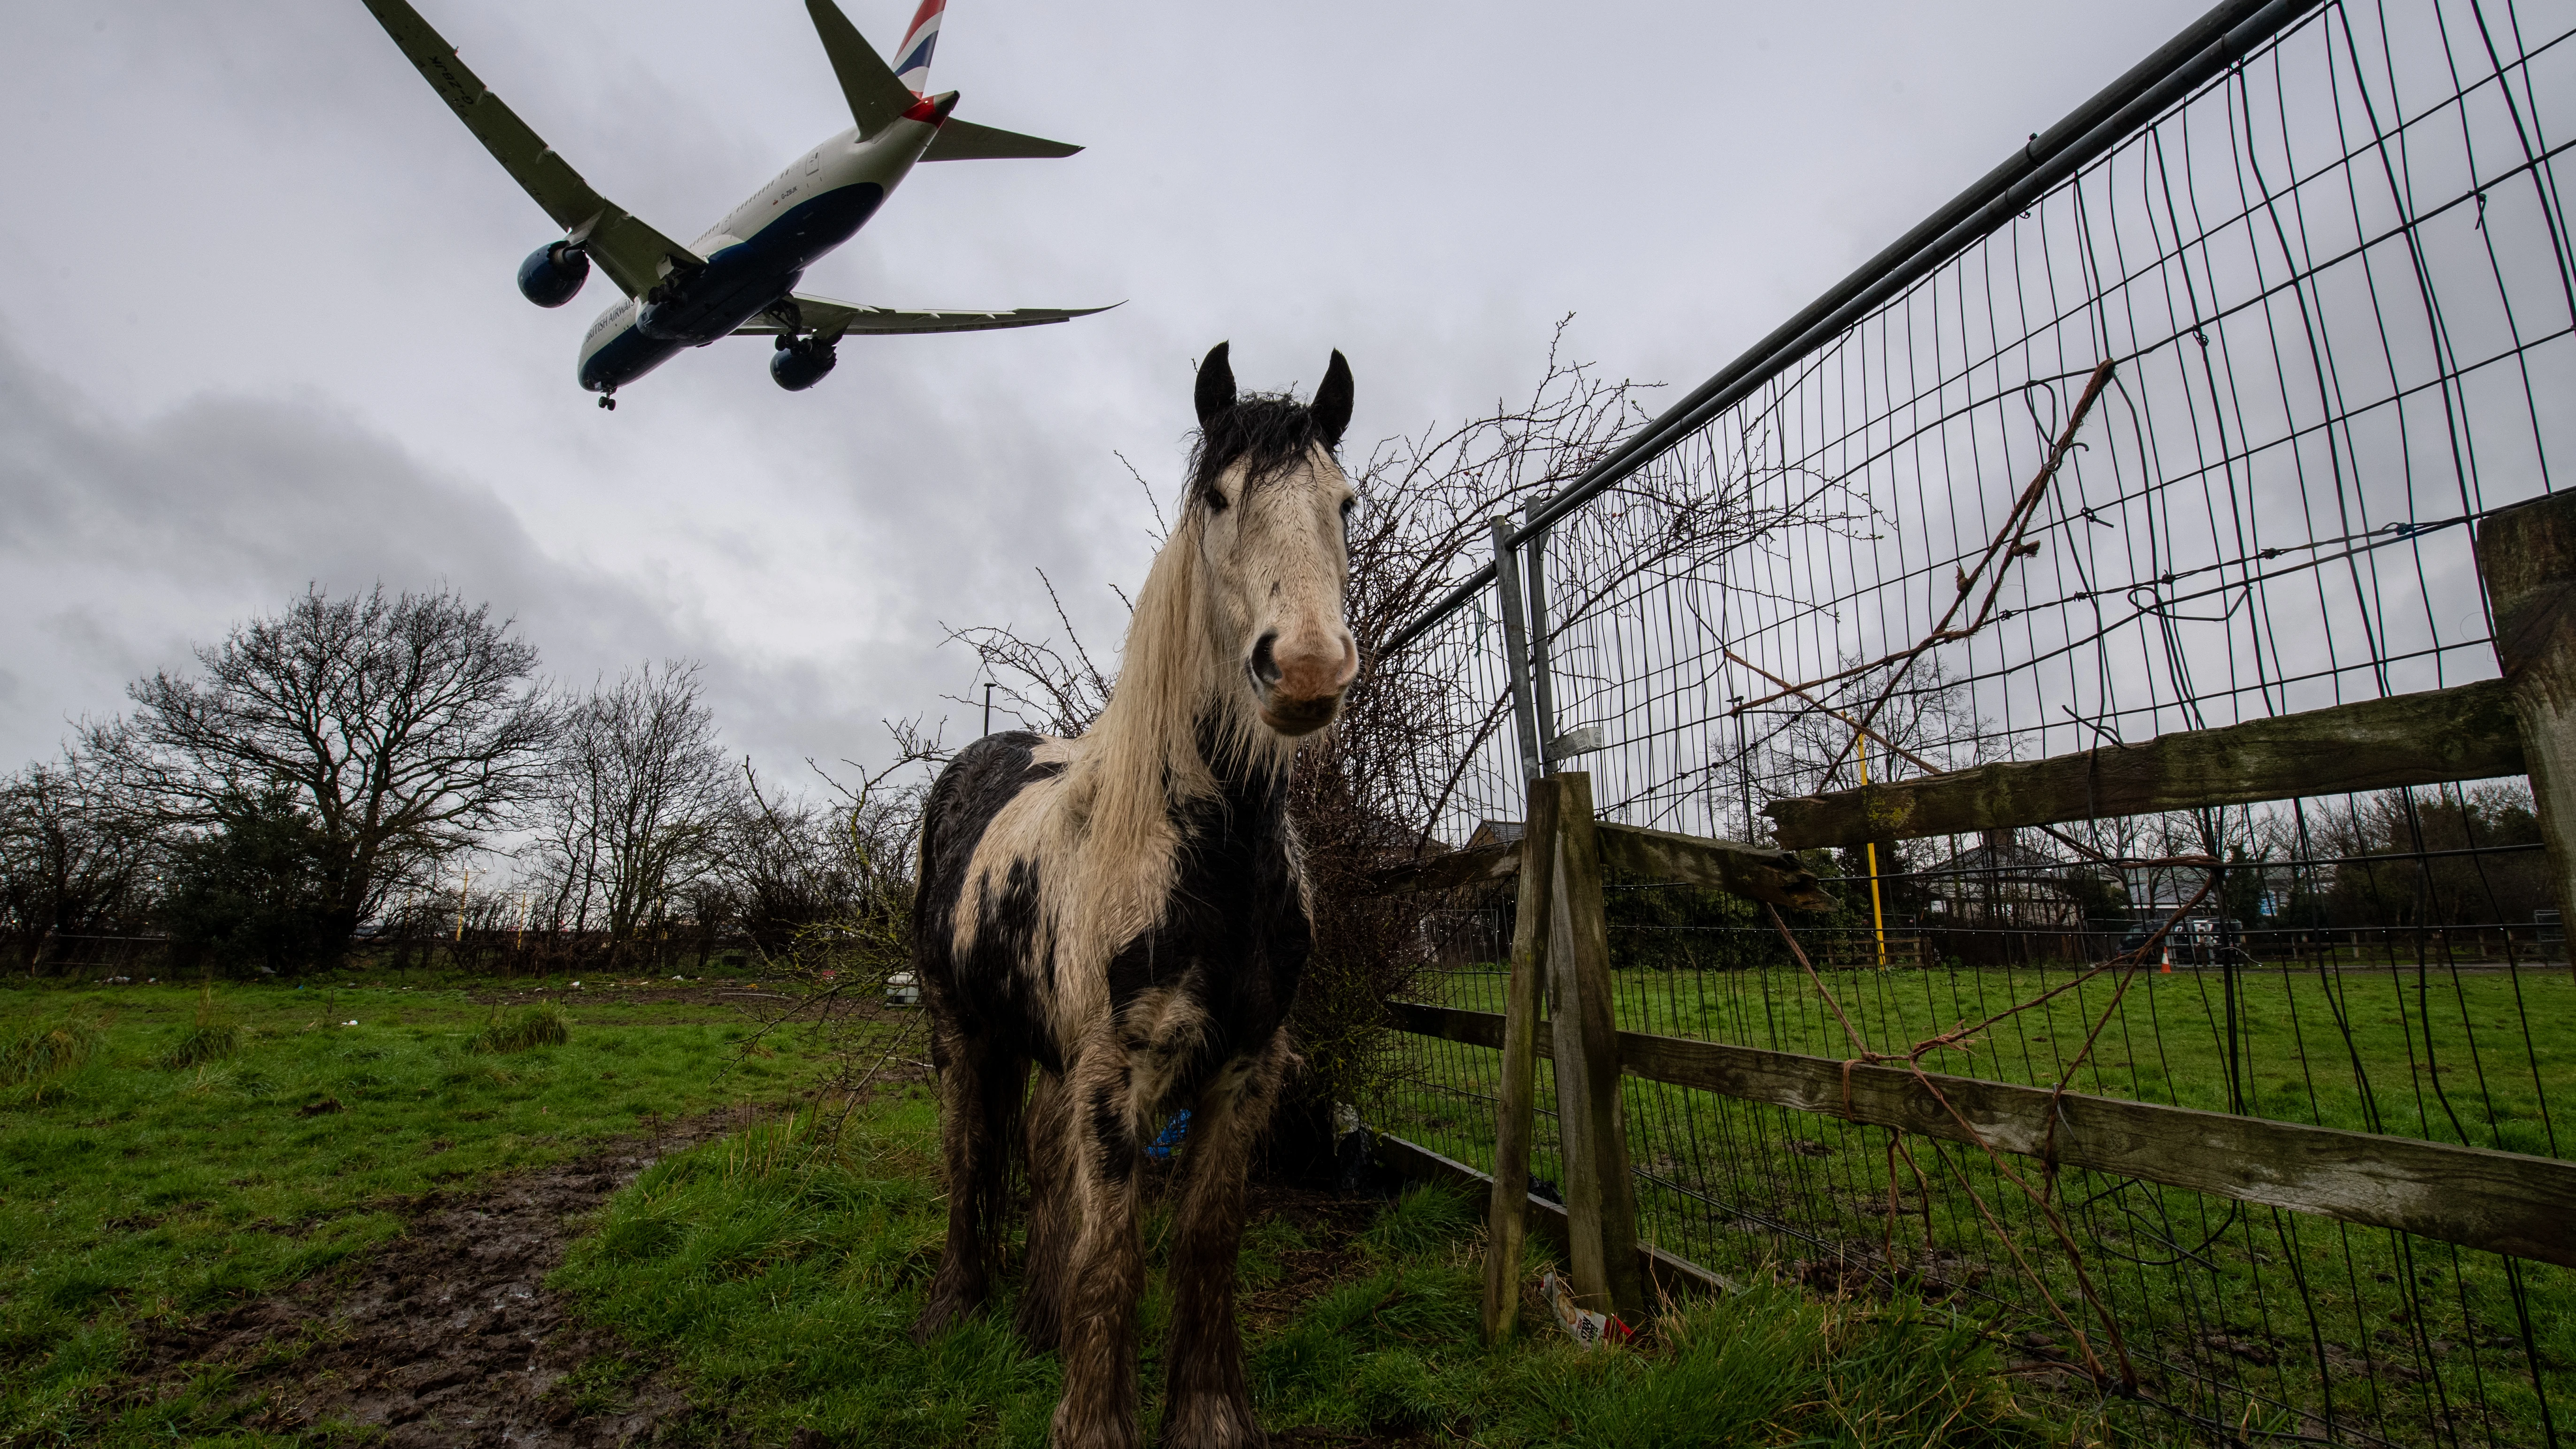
(738, 279)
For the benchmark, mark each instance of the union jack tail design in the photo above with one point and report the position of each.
(913, 67)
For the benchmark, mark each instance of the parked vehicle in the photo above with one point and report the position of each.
(2191, 941)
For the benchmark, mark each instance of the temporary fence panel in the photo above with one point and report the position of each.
(2173, 434)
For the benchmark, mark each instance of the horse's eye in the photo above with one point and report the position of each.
(1215, 501)
(1348, 506)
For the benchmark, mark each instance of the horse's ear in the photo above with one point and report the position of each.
(1216, 384)
(1332, 409)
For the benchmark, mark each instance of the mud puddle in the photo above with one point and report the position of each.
(447, 1335)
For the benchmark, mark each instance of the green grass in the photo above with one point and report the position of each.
(2488, 1059)
(2194, 1280)
(146, 1178)
(778, 1270)
(781, 1271)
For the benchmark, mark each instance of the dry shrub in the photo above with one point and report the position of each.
(1373, 793)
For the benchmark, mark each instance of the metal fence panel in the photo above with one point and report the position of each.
(2336, 291)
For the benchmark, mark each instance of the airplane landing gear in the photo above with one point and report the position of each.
(608, 401)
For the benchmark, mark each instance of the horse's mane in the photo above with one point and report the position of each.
(1156, 735)
(1267, 432)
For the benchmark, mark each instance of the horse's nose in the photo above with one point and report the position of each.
(1311, 671)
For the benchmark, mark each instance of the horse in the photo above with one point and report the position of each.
(1127, 911)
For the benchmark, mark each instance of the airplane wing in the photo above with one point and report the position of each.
(632, 253)
(825, 318)
(966, 141)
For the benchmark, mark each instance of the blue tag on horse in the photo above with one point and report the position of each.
(1169, 1140)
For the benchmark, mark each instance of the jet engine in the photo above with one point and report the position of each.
(553, 273)
(797, 366)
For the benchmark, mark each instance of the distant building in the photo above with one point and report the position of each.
(2006, 900)
(1471, 925)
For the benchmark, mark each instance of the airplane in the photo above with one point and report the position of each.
(739, 278)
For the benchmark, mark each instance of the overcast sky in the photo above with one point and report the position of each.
(258, 326)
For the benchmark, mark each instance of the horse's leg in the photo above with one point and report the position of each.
(1053, 1220)
(972, 1078)
(1208, 1406)
(1105, 1275)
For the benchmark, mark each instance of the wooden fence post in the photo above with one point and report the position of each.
(1600, 1197)
(2527, 558)
(1508, 1217)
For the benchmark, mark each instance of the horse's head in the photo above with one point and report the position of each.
(1270, 509)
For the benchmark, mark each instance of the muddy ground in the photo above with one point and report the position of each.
(448, 1335)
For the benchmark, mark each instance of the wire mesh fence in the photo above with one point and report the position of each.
(2199, 436)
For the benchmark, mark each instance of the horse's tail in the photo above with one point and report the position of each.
(1005, 1104)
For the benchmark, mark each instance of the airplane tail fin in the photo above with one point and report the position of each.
(912, 65)
(877, 100)
(879, 94)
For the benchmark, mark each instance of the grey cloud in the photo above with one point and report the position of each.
(258, 288)
(122, 545)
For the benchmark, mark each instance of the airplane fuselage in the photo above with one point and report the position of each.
(755, 256)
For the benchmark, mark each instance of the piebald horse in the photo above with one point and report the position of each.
(1127, 911)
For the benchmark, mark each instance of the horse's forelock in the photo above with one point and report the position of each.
(1268, 433)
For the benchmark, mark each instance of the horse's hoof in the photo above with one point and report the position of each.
(1104, 1433)
(1211, 1423)
(1038, 1331)
(936, 1319)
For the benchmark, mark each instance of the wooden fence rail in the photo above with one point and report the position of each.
(2504, 1202)
(2464, 733)
(1755, 872)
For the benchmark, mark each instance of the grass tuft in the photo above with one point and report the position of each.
(214, 1037)
(541, 1025)
(39, 1053)
(203, 1044)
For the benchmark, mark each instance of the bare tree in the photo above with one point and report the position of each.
(76, 857)
(836, 874)
(407, 728)
(1931, 722)
(638, 804)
